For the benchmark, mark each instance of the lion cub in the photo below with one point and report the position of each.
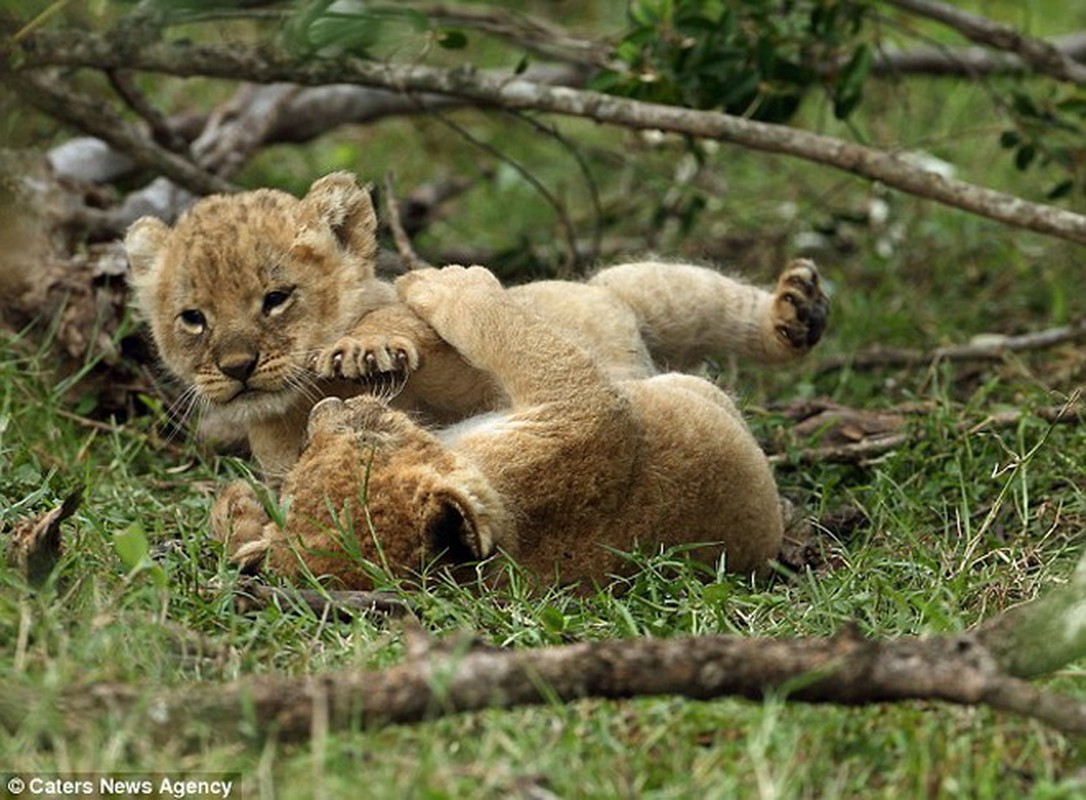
(263, 303)
(579, 465)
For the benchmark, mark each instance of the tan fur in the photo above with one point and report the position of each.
(211, 288)
(581, 462)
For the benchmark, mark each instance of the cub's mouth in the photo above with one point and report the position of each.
(248, 403)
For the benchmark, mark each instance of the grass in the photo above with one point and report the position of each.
(962, 522)
(959, 526)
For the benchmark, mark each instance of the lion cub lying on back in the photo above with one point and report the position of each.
(263, 303)
(578, 464)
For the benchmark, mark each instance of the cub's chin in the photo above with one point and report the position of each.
(254, 405)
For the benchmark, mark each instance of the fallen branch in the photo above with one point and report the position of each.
(862, 452)
(440, 678)
(987, 347)
(857, 436)
(252, 594)
(80, 49)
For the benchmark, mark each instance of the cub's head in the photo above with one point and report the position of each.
(371, 483)
(245, 288)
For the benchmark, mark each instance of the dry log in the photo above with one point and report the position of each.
(460, 675)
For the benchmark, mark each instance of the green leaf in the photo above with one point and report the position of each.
(131, 546)
(134, 552)
(1061, 189)
(553, 619)
(649, 13)
(1025, 156)
(851, 82)
(716, 593)
(452, 39)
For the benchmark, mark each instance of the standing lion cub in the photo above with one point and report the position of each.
(263, 303)
(580, 464)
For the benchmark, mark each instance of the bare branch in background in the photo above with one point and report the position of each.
(91, 116)
(1043, 56)
(970, 62)
(986, 347)
(411, 259)
(71, 48)
(534, 35)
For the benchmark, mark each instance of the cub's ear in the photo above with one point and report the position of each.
(452, 529)
(343, 205)
(326, 414)
(144, 242)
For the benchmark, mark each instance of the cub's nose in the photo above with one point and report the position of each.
(238, 366)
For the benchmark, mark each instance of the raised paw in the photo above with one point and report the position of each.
(800, 306)
(362, 357)
(429, 290)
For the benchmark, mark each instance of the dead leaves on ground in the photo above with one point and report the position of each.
(35, 544)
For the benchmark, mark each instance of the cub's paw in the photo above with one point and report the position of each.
(239, 521)
(800, 307)
(362, 357)
(428, 292)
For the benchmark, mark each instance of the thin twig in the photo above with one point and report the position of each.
(411, 258)
(583, 256)
(161, 131)
(560, 213)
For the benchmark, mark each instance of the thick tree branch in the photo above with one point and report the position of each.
(1044, 57)
(71, 48)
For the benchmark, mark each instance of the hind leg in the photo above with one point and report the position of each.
(701, 387)
(686, 313)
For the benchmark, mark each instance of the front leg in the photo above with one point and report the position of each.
(530, 361)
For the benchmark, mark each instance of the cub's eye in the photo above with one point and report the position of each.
(193, 319)
(276, 300)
